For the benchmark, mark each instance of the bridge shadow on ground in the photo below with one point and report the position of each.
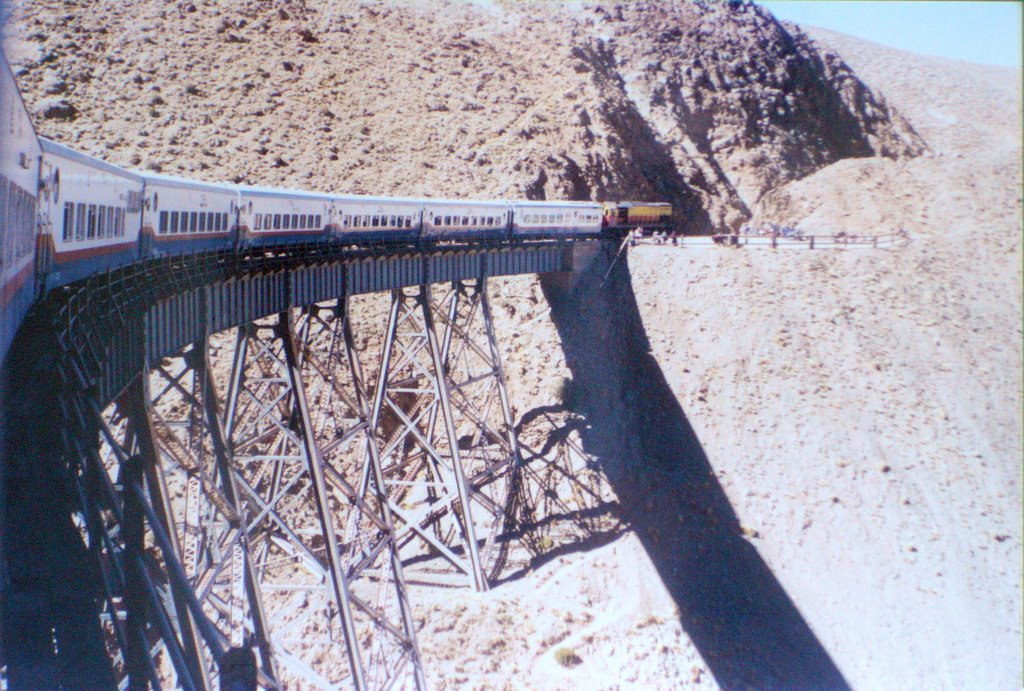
(745, 626)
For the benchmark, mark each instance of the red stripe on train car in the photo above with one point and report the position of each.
(15, 284)
(189, 236)
(89, 252)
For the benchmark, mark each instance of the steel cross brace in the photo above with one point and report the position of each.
(449, 450)
(295, 417)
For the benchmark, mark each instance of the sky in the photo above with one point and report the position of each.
(984, 32)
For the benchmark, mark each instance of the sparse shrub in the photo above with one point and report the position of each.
(566, 392)
(567, 657)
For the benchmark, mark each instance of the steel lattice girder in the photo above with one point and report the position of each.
(321, 535)
(449, 453)
(280, 521)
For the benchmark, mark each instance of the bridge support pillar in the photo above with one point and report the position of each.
(324, 543)
(449, 453)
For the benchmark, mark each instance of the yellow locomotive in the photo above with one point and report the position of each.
(630, 215)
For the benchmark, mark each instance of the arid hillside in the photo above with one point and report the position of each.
(705, 105)
(796, 469)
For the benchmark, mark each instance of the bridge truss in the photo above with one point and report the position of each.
(263, 505)
(257, 499)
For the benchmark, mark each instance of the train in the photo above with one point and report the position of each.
(94, 216)
(633, 215)
(66, 215)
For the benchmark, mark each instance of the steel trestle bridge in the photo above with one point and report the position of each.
(216, 493)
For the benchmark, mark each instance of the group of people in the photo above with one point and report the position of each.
(772, 230)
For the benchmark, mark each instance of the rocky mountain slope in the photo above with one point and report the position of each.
(802, 468)
(706, 105)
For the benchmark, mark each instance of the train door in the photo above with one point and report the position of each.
(149, 206)
(47, 203)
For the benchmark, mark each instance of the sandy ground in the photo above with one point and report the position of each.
(860, 412)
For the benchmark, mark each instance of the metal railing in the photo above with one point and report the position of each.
(796, 241)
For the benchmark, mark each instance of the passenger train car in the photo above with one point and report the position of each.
(186, 216)
(90, 215)
(19, 187)
(65, 215)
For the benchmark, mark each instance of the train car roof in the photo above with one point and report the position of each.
(52, 147)
(186, 183)
(365, 198)
(542, 204)
(627, 205)
(255, 191)
(467, 202)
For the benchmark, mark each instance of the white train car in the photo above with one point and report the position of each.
(90, 214)
(555, 219)
(280, 217)
(19, 180)
(456, 219)
(182, 216)
(378, 218)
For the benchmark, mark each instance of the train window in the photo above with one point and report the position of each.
(447, 220)
(69, 220)
(101, 222)
(366, 221)
(119, 222)
(286, 222)
(357, 221)
(277, 221)
(345, 221)
(224, 222)
(202, 223)
(165, 219)
(193, 222)
(376, 221)
(90, 228)
(258, 224)
(295, 221)
(316, 222)
(408, 221)
(216, 222)
(172, 226)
